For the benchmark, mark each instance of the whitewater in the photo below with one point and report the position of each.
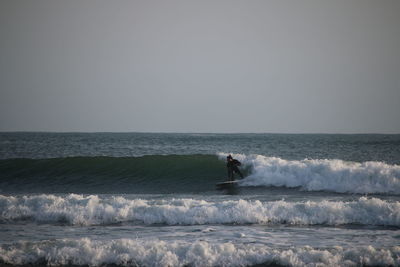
(143, 199)
(321, 174)
(94, 210)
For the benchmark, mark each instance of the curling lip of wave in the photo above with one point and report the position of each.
(321, 174)
(127, 252)
(94, 210)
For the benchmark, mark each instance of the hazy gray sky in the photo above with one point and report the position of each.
(200, 66)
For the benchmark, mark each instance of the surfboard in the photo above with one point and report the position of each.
(227, 184)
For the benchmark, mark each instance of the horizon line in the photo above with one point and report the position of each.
(193, 132)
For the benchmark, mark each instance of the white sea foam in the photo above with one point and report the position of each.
(92, 210)
(321, 175)
(180, 253)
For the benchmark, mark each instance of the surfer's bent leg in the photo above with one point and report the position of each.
(230, 174)
(238, 172)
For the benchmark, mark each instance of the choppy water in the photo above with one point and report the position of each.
(151, 200)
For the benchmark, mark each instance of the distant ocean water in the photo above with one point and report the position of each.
(147, 199)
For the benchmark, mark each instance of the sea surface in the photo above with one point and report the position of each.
(150, 199)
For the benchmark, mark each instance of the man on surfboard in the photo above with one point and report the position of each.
(232, 166)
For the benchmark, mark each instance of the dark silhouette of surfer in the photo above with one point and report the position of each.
(232, 166)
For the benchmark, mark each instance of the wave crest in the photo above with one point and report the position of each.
(128, 252)
(94, 210)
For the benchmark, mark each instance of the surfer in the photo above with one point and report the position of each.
(232, 166)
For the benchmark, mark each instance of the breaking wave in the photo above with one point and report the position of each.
(95, 210)
(321, 174)
(192, 174)
(129, 252)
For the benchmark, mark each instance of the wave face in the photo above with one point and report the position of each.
(192, 174)
(129, 252)
(321, 175)
(146, 174)
(94, 210)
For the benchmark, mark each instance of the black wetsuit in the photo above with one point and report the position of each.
(232, 166)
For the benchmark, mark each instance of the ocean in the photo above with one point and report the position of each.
(150, 199)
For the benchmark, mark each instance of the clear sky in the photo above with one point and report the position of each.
(300, 66)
